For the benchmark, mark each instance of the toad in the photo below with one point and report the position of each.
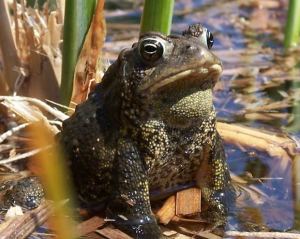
(149, 129)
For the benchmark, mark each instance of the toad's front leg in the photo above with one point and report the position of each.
(130, 205)
(214, 180)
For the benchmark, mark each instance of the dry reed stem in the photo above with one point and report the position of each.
(276, 146)
(253, 235)
(8, 47)
(267, 116)
(10, 132)
(23, 156)
(13, 102)
(38, 35)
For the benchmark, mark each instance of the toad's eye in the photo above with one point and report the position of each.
(209, 39)
(151, 49)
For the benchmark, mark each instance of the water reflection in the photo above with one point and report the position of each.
(265, 197)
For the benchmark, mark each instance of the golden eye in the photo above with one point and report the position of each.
(151, 49)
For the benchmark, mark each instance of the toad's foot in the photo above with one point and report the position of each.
(143, 226)
(27, 193)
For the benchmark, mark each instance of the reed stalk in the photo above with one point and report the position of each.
(157, 16)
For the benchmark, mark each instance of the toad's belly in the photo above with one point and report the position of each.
(173, 174)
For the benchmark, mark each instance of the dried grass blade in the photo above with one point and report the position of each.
(10, 132)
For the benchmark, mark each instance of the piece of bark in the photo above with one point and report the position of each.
(113, 233)
(90, 225)
(94, 235)
(167, 211)
(22, 226)
(188, 202)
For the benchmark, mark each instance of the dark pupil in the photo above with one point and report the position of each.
(209, 39)
(151, 50)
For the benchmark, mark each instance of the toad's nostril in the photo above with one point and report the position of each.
(190, 48)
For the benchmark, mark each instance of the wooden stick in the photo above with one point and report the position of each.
(113, 233)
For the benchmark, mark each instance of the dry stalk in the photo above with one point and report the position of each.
(22, 156)
(274, 145)
(10, 132)
(8, 47)
(278, 235)
(38, 35)
(19, 99)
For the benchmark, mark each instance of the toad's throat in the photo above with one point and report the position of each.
(194, 76)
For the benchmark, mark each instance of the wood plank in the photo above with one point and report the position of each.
(188, 202)
(167, 211)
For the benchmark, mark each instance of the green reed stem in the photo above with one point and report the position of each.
(78, 16)
(157, 16)
(292, 28)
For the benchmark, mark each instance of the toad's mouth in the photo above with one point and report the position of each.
(193, 77)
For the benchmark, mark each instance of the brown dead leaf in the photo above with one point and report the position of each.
(87, 65)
